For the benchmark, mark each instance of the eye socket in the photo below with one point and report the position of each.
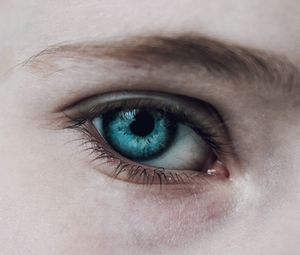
(154, 137)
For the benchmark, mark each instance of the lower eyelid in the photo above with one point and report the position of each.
(121, 168)
(179, 213)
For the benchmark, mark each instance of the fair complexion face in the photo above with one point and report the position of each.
(56, 200)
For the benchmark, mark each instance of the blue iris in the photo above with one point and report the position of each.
(139, 133)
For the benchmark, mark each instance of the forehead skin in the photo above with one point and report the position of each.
(27, 27)
(270, 24)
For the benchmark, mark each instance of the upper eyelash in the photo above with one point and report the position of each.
(216, 143)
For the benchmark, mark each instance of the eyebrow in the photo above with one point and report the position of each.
(220, 59)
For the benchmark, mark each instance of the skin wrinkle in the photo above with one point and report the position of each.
(226, 61)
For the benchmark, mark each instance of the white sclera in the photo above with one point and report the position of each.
(188, 151)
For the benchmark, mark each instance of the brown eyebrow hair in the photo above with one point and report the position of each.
(221, 59)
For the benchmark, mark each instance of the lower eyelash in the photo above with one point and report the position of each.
(134, 173)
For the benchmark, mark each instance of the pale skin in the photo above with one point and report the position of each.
(53, 201)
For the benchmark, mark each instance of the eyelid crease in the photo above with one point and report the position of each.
(92, 105)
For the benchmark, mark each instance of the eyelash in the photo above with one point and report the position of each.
(135, 172)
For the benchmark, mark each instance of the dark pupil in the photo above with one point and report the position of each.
(143, 124)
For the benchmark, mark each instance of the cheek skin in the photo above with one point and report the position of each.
(7, 59)
(172, 217)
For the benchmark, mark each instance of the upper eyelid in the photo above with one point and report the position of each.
(206, 119)
(282, 76)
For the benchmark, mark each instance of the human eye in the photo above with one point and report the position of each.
(153, 138)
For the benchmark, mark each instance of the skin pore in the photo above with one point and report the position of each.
(56, 54)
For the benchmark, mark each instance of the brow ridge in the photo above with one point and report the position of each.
(221, 59)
